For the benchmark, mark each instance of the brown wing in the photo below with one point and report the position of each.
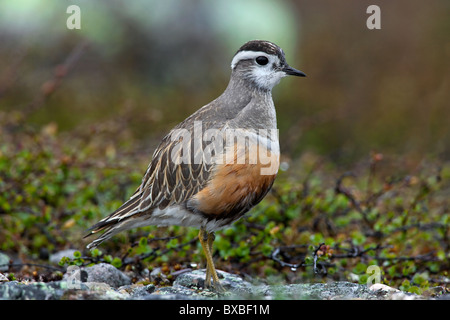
(178, 169)
(172, 177)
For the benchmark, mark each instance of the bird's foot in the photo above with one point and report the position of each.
(216, 286)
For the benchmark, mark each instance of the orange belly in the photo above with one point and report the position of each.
(239, 184)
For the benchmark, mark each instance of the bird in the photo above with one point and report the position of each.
(190, 182)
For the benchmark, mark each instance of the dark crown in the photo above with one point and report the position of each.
(263, 46)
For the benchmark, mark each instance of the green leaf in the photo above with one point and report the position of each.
(117, 262)
(415, 289)
(420, 278)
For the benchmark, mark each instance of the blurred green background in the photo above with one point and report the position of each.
(153, 63)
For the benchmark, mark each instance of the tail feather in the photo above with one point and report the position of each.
(115, 222)
(106, 235)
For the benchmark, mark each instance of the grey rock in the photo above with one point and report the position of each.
(100, 273)
(15, 290)
(196, 279)
(323, 291)
(137, 291)
(339, 290)
(56, 257)
(155, 272)
(4, 261)
(105, 282)
(179, 293)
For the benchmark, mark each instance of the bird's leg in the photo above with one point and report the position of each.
(203, 237)
(208, 266)
(206, 240)
(212, 269)
(210, 238)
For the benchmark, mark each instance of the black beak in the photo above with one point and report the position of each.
(293, 72)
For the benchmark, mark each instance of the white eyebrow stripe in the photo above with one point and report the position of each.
(245, 55)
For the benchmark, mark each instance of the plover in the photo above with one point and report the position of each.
(210, 180)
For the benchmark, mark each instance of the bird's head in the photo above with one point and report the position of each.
(262, 63)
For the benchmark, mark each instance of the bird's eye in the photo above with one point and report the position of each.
(261, 60)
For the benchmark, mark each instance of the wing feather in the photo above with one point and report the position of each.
(167, 181)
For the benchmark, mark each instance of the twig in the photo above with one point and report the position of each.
(323, 270)
(422, 257)
(355, 252)
(339, 189)
(32, 265)
(134, 244)
(154, 254)
(59, 73)
(276, 252)
(322, 248)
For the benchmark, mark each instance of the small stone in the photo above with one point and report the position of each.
(56, 257)
(3, 278)
(382, 287)
(101, 273)
(155, 273)
(438, 291)
(137, 291)
(4, 261)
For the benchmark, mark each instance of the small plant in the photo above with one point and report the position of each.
(315, 225)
